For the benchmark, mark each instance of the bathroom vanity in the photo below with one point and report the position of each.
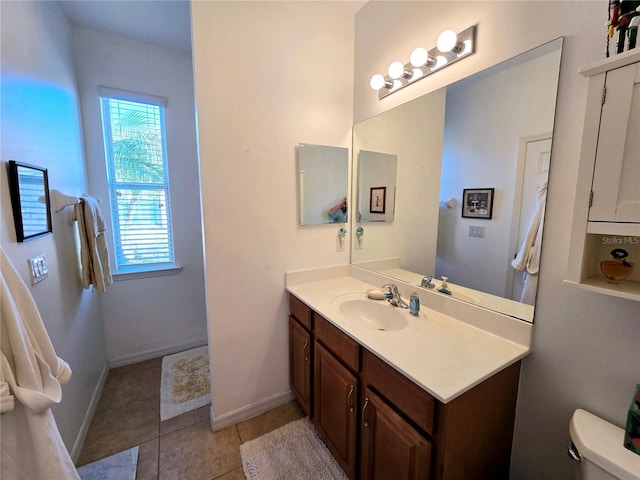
(397, 396)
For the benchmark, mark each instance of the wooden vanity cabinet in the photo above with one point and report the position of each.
(390, 448)
(335, 401)
(300, 354)
(379, 425)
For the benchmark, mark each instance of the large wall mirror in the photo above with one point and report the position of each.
(322, 184)
(29, 188)
(488, 132)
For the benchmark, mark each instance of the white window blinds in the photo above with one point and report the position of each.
(134, 135)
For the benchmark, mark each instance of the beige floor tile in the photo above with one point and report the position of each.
(148, 460)
(268, 421)
(185, 420)
(117, 427)
(133, 382)
(236, 474)
(197, 453)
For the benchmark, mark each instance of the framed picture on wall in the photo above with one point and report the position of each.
(377, 199)
(477, 202)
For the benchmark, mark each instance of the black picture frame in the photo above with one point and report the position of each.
(377, 199)
(477, 203)
(29, 189)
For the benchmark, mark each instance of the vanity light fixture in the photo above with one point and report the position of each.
(450, 47)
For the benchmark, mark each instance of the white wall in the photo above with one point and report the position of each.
(485, 122)
(41, 126)
(585, 346)
(149, 317)
(268, 76)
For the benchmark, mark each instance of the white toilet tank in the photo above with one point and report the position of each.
(599, 445)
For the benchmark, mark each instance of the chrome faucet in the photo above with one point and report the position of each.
(427, 283)
(396, 299)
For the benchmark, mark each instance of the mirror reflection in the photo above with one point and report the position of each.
(322, 184)
(490, 132)
(376, 186)
(29, 190)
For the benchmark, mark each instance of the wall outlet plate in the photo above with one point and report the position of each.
(38, 268)
(475, 231)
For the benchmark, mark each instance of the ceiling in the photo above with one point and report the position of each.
(166, 23)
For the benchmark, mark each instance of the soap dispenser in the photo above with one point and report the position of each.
(444, 287)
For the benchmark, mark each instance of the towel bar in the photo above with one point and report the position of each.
(59, 200)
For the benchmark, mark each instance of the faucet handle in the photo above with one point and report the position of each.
(426, 282)
(393, 288)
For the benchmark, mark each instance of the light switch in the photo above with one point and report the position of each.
(475, 231)
(38, 268)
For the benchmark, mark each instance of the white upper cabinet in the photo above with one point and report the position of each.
(616, 176)
(607, 210)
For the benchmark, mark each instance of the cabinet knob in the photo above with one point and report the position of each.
(364, 412)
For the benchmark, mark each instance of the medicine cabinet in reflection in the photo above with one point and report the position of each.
(29, 188)
(322, 184)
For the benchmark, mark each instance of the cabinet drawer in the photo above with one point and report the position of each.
(341, 345)
(299, 310)
(406, 396)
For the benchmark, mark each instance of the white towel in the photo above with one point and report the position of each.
(93, 246)
(31, 444)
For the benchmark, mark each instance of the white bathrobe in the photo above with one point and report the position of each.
(528, 258)
(31, 375)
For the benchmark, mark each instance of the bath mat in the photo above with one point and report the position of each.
(121, 466)
(185, 382)
(291, 451)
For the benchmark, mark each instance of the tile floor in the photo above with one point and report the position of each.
(181, 448)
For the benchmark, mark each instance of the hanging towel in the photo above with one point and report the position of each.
(32, 447)
(93, 246)
(528, 257)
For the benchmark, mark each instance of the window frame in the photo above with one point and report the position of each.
(137, 270)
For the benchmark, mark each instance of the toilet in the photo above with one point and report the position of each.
(598, 449)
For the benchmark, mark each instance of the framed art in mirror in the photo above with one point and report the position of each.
(377, 199)
(29, 188)
(477, 203)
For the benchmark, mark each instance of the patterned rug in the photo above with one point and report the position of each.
(121, 466)
(293, 451)
(185, 382)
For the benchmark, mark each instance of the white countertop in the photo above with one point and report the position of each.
(442, 354)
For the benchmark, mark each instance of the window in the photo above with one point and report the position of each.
(137, 175)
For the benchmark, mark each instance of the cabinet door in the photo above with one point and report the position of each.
(390, 448)
(335, 397)
(300, 364)
(616, 178)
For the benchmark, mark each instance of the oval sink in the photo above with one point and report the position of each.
(374, 314)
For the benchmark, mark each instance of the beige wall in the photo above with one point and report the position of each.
(269, 75)
(172, 316)
(41, 125)
(585, 348)
(290, 81)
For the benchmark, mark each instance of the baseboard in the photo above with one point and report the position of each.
(88, 416)
(249, 411)
(153, 353)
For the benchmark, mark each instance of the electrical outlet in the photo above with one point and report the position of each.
(38, 268)
(475, 231)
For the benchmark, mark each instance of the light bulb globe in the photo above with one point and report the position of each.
(396, 70)
(377, 82)
(447, 41)
(419, 57)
